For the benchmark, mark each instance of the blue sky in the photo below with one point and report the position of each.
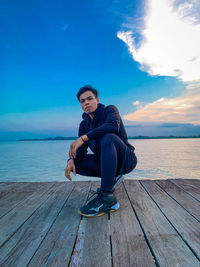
(50, 49)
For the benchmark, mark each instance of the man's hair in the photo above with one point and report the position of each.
(85, 88)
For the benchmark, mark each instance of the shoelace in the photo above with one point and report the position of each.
(94, 193)
(99, 189)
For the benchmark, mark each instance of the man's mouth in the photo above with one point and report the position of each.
(87, 108)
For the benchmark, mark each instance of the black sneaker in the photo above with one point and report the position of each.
(101, 204)
(118, 180)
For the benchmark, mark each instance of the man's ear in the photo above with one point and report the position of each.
(97, 100)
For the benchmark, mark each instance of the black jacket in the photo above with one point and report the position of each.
(106, 120)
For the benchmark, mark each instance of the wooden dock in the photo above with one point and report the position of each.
(158, 224)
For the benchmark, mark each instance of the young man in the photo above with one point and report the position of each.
(101, 130)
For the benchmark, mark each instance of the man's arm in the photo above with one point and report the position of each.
(81, 152)
(70, 167)
(111, 125)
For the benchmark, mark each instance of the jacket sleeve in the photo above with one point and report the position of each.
(82, 150)
(111, 124)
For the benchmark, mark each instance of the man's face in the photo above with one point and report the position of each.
(88, 102)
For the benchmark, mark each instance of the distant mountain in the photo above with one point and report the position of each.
(129, 137)
(50, 139)
(161, 137)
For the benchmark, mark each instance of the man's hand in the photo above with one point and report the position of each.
(70, 167)
(74, 147)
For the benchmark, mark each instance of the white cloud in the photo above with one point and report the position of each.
(170, 46)
(185, 108)
(136, 103)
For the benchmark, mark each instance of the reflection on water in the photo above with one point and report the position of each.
(46, 160)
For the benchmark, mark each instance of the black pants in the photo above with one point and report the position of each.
(107, 164)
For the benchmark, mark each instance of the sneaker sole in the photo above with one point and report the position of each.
(113, 209)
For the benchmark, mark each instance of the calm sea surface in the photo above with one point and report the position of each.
(46, 160)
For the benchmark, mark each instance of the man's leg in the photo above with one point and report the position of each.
(89, 166)
(112, 156)
(103, 202)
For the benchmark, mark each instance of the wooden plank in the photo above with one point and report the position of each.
(56, 248)
(93, 243)
(19, 192)
(189, 185)
(17, 187)
(6, 186)
(195, 182)
(188, 202)
(186, 225)
(19, 249)
(167, 246)
(11, 188)
(21, 212)
(129, 247)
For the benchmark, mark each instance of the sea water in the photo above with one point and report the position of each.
(36, 161)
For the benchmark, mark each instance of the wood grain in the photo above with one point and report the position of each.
(129, 247)
(184, 199)
(167, 245)
(93, 244)
(157, 223)
(187, 227)
(20, 248)
(189, 185)
(21, 212)
(56, 248)
(12, 195)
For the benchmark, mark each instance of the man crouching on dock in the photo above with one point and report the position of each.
(101, 130)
